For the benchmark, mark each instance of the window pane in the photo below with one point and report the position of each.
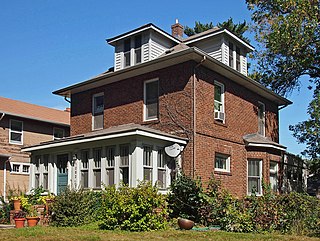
(147, 156)
(254, 185)
(217, 93)
(127, 45)
(126, 59)
(16, 125)
(152, 99)
(25, 169)
(231, 55)
(254, 168)
(147, 174)
(110, 177)
(124, 155)
(45, 181)
(124, 175)
(85, 159)
(98, 104)
(84, 179)
(16, 137)
(16, 168)
(97, 178)
(110, 156)
(37, 180)
(97, 158)
(238, 58)
(162, 178)
(160, 161)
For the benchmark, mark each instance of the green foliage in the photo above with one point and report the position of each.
(185, 198)
(4, 211)
(289, 35)
(198, 28)
(308, 132)
(133, 209)
(237, 28)
(75, 208)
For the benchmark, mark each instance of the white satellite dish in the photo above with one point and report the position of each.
(173, 150)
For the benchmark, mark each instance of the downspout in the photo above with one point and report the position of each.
(3, 114)
(5, 178)
(195, 117)
(65, 98)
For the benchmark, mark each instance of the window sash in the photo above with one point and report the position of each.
(16, 132)
(147, 156)
(151, 99)
(222, 163)
(97, 178)
(124, 175)
(97, 158)
(218, 97)
(254, 176)
(147, 174)
(231, 54)
(84, 178)
(124, 156)
(84, 159)
(109, 176)
(110, 154)
(237, 58)
(58, 133)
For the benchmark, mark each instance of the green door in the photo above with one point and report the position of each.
(62, 162)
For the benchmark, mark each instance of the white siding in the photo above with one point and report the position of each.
(225, 52)
(212, 47)
(118, 53)
(243, 60)
(158, 45)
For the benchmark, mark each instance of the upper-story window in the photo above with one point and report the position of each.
(58, 133)
(97, 111)
(16, 132)
(238, 59)
(151, 99)
(219, 113)
(126, 53)
(231, 54)
(261, 119)
(137, 49)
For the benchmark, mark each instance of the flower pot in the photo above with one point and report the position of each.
(32, 221)
(19, 222)
(16, 204)
(185, 223)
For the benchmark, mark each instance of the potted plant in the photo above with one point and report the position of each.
(32, 217)
(16, 203)
(19, 219)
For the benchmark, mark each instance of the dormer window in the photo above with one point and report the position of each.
(137, 49)
(126, 54)
(238, 58)
(231, 55)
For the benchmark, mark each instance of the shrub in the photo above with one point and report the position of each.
(75, 208)
(4, 211)
(133, 209)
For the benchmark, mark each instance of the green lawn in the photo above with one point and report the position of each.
(85, 233)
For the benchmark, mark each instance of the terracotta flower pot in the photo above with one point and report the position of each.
(16, 204)
(32, 221)
(185, 223)
(19, 222)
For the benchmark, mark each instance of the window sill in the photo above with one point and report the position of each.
(153, 121)
(220, 123)
(226, 173)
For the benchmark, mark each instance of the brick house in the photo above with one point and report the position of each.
(169, 102)
(23, 124)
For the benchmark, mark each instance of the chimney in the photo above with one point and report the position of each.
(67, 110)
(177, 30)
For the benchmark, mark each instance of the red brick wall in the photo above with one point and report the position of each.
(124, 104)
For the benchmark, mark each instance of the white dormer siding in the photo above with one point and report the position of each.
(211, 46)
(158, 44)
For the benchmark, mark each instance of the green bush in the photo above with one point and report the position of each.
(75, 208)
(133, 209)
(4, 211)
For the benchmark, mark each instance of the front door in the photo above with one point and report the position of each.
(62, 162)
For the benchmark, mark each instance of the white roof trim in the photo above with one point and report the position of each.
(144, 29)
(219, 32)
(267, 145)
(106, 137)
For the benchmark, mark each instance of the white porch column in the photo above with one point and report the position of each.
(103, 166)
(90, 168)
(137, 163)
(154, 165)
(31, 175)
(51, 179)
(55, 175)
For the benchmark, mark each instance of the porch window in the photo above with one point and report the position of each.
(162, 173)
(274, 175)
(97, 168)
(151, 99)
(110, 166)
(254, 176)
(97, 111)
(45, 162)
(16, 132)
(147, 163)
(84, 168)
(37, 171)
(124, 164)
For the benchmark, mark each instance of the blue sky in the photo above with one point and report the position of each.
(46, 45)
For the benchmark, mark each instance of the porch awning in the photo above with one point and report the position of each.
(110, 133)
(257, 140)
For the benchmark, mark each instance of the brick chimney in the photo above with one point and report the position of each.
(67, 110)
(177, 30)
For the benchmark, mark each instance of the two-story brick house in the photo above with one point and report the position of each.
(164, 90)
(23, 124)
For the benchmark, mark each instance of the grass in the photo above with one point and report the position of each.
(93, 234)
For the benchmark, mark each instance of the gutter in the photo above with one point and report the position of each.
(5, 178)
(3, 114)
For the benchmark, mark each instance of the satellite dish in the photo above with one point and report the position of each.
(173, 150)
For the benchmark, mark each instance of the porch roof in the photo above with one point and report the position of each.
(109, 133)
(257, 140)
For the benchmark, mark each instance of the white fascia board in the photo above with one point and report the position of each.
(142, 30)
(219, 32)
(105, 137)
(267, 146)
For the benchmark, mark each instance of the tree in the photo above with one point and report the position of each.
(237, 28)
(308, 132)
(289, 35)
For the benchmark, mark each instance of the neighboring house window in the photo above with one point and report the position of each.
(162, 173)
(97, 111)
(147, 163)
(15, 168)
(274, 175)
(231, 55)
(97, 168)
(261, 119)
(151, 99)
(222, 163)
(110, 166)
(124, 164)
(219, 113)
(84, 168)
(238, 66)
(137, 49)
(255, 176)
(126, 54)
(16, 132)
(37, 172)
(20, 168)
(45, 171)
(58, 133)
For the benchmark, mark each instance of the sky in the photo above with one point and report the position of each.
(46, 45)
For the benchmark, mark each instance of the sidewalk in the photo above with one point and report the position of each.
(6, 226)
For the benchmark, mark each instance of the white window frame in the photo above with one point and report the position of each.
(54, 130)
(161, 152)
(260, 177)
(261, 104)
(226, 158)
(14, 131)
(274, 171)
(93, 110)
(217, 83)
(20, 171)
(96, 168)
(84, 169)
(145, 117)
(110, 167)
(45, 170)
(238, 60)
(127, 52)
(139, 49)
(231, 53)
(121, 166)
(145, 165)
